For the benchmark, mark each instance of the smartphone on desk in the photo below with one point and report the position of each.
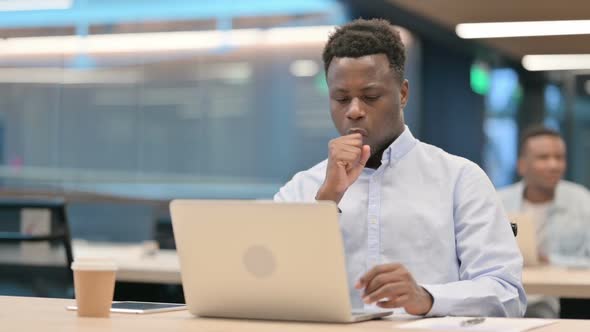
(133, 307)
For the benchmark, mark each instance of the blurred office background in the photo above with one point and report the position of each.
(227, 99)
(120, 106)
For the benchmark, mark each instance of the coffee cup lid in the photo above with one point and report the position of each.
(94, 264)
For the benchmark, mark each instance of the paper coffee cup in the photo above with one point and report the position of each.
(94, 284)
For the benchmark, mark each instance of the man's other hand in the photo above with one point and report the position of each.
(392, 286)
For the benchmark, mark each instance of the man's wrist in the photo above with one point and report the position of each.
(325, 194)
(427, 299)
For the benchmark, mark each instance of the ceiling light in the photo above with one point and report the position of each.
(304, 68)
(162, 41)
(545, 62)
(297, 35)
(23, 5)
(522, 29)
(68, 76)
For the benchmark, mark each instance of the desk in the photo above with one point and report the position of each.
(557, 281)
(47, 315)
(162, 266)
(135, 264)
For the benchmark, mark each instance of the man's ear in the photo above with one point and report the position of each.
(404, 93)
(521, 166)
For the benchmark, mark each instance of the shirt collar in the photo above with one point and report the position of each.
(558, 202)
(399, 148)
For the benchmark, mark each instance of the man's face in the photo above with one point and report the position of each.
(367, 97)
(542, 163)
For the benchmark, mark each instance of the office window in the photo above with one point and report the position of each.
(500, 127)
(219, 122)
(554, 107)
(579, 143)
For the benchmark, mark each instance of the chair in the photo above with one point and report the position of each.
(35, 272)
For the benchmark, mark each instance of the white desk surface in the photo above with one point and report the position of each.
(163, 267)
(136, 264)
(48, 315)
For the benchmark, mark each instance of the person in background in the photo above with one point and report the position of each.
(559, 209)
(423, 229)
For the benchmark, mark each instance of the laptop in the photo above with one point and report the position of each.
(526, 238)
(263, 260)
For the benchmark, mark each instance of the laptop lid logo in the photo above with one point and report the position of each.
(259, 261)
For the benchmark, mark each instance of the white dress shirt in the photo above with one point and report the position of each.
(540, 216)
(563, 232)
(439, 216)
(567, 227)
(540, 305)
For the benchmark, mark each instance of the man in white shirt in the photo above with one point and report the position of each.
(559, 209)
(423, 230)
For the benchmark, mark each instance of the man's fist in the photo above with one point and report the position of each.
(347, 157)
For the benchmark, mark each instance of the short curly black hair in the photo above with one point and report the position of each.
(366, 37)
(534, 131)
